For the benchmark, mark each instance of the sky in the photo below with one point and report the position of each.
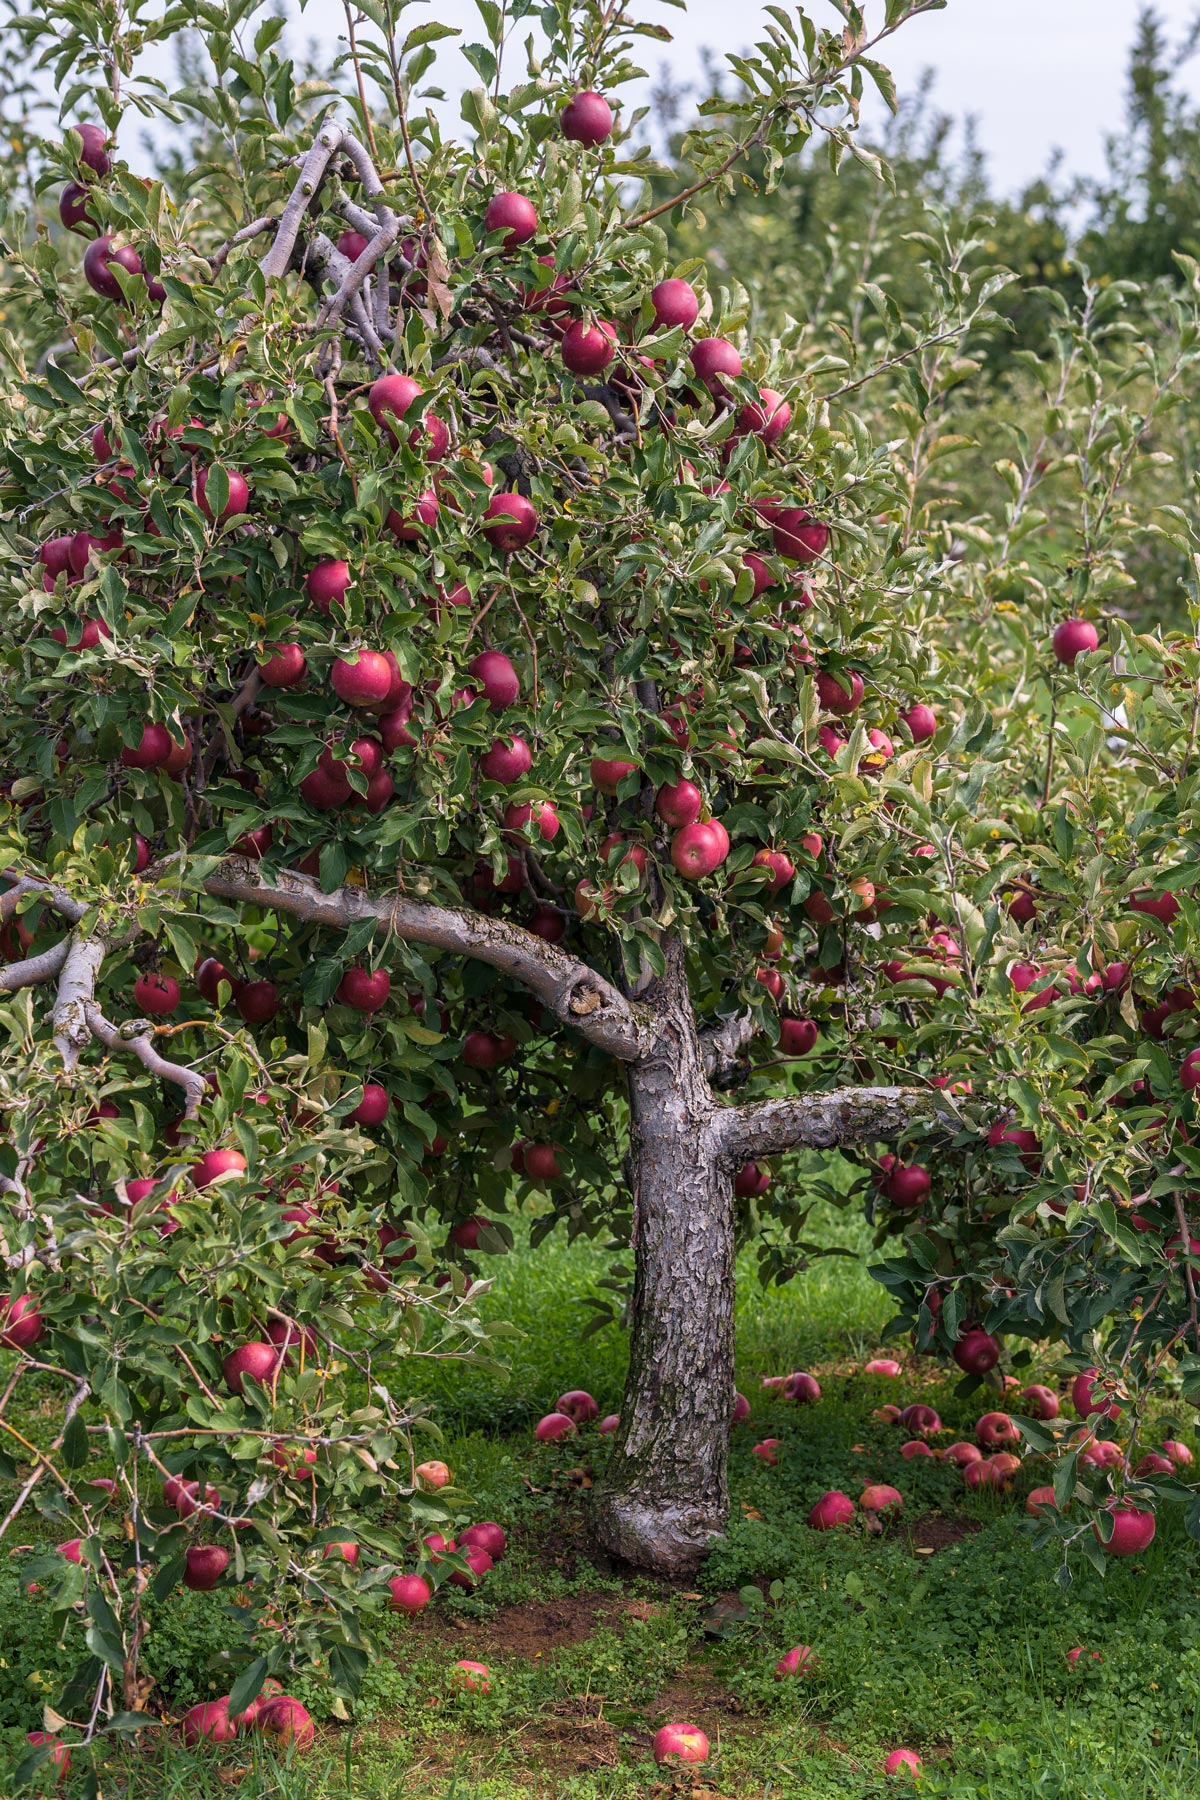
(1036, 74)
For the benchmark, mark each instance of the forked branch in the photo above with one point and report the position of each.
(134, 1038)
(575, 993)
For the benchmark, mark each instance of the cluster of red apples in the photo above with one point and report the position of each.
(991, 1460)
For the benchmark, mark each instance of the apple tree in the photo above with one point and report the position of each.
(476, 726)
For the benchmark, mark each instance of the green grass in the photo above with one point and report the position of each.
(959, 1654)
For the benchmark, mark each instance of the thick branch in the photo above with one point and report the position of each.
(278, 258)
(134, 1039)
(721, 1046)
(35, 969)
(826, 1121)
(572, 991)
(76, 989)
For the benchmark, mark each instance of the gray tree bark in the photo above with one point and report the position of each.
(664, 1495)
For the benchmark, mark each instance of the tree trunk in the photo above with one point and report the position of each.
(665, 1494)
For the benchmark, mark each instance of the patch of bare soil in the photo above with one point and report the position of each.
(935, 1531)
(535, 1627)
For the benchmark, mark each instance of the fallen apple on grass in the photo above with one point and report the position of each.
(686, 1743)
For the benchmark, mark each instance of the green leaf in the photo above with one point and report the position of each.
(248, 1686)
(75, 1445)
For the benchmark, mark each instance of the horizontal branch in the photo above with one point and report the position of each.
(827, 1121)
(577, 995)
(34, 969)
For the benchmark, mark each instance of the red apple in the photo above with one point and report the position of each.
(541, 1164)
(152, 750)
(797, 1037)
(540, 813)
(684, 1743)
(921, 721)
(961, 1453)
(513, 214)
(1163, 907)
(328, 582)
(587, 119)
(510, 522)
(1132, 1532)
(907, 1184)
(433, 1475)
(801, 1660)
(99, 260)
(255, 1361)
(1040, 1402)
(879, 1497)
(156, 994)
(216, 1163)
(409, 1593)
(553, 1427)
(798, 536)
(209, 975)
(832, 1509)
(497, 679)
(882, 1365)
(283, 667)
(699, 849)
(206, 1563)
(363, 989)
(840, 693)
(588, 349)
(804, 1389)
(609, 772)
(767, 1453)
(715, 360)
(1075, 637)
(73, 210)
(239, 494)
(679, 804)
(257, 1002)
(471, 1677)
(780, 868)
(342, 1550)
(995, 1429)
(391, 397)
(768, 417)
(372, 1109)
(1086, 1403)
(21, 1324)
(902, 1762)
(485, 1050)
(920, 1418)
(675, 303)
(351, 245)
(286, 1719)
(976, 1351)
(487, 1535)
(507, 761)
(364, 682)
(208, 1722)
